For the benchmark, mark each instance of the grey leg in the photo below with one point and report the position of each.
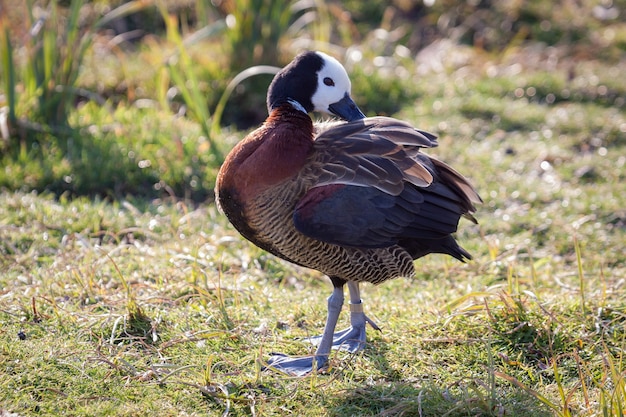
(301, 366)
(351, 339)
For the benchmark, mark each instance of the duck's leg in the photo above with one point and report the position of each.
(301, 366)
(351, 339)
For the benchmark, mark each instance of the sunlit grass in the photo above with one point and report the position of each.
(122, 304)
(534, 326)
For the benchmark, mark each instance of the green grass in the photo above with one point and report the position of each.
(123, 291)
(534, 326)
(500, 336)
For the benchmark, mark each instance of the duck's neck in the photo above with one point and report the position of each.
(287, 115)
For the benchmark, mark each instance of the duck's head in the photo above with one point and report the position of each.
(314, 81)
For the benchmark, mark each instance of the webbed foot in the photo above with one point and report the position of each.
(296, 365)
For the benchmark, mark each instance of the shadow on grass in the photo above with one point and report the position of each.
(465, 398)
(113, 159)
(397, 395)
(72, 161)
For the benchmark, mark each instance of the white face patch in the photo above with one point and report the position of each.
(332, 84)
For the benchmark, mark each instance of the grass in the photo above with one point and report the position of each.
(499, 336)
(534, 326)
(139, 298)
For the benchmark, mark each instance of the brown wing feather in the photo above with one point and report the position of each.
(452, 176)
(377, 152)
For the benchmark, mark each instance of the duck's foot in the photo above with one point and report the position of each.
(296, 365)
(304, 365)
(351, 339)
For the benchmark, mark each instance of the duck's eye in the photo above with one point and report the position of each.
(329, 82)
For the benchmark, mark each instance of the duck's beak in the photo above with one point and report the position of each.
(347, 109)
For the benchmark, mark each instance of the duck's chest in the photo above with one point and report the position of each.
(262, 179)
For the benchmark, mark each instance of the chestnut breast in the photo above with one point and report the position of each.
(270, 157)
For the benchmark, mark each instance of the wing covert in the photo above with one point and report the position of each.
(373, 152)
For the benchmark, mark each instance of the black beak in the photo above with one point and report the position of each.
(347, 109)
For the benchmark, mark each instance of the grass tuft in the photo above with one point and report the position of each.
(136, 322)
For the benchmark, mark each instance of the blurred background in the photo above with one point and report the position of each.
(145, 97)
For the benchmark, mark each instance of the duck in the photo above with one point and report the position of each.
(355, 198)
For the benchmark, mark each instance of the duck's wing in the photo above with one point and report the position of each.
(374, 188)
(373, 152)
